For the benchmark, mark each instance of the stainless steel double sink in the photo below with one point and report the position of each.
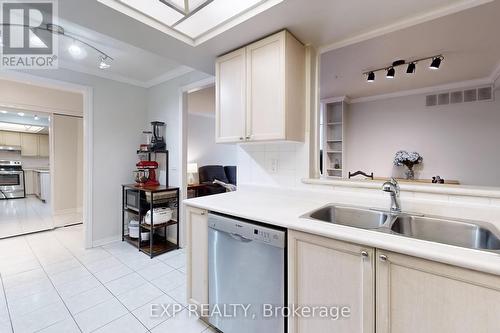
(462, 233)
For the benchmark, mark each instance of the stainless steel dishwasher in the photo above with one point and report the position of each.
(246, 268)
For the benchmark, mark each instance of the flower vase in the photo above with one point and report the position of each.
(410, 174)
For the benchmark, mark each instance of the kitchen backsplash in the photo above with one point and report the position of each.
(272, 164)
(28, 162)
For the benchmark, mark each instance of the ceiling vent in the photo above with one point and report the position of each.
(461, 96)
(431, 100)
(444, 99)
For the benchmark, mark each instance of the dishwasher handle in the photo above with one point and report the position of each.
(240, 238)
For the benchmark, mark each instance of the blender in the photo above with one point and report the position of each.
(157, 141)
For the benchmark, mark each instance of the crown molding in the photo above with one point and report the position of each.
(170, 75)
(427, 90)
(405, 23)
(106, 74)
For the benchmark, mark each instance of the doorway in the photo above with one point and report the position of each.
(67, 198)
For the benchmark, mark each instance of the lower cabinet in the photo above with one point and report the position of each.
(416, 295)
(331, 273)
(197, 255)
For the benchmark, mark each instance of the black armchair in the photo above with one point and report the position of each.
(207, 174)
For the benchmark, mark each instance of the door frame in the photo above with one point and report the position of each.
(88, 130)
(183, 134)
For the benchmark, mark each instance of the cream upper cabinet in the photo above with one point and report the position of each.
(43, 145)
(231, 97)
(29, 144)
(327, 272)
(416, 295)
(197, 255)
(11, 138)
(269, 76)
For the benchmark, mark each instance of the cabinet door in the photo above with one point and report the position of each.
(197, 256)
(230, 97)
(12, 138)
(29, 144)
(326, 272)
(416, 295)
(2, 139)
(43, 145)
(266, 89)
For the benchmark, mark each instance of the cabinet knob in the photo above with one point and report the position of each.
(248, 137)
(242, 138)
(364, 254)
(383, 257)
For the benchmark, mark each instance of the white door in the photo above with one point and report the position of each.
(29, 144)
(230, 97)
(266, 89)
(334, 274)
(416, 295)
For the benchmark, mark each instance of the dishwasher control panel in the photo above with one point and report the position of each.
(247, 231)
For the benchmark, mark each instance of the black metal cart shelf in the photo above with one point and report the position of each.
(158, 242)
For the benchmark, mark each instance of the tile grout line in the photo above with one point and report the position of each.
(113, 295)
(57, 291)
(6, 303)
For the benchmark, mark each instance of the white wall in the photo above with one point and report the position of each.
(119, 113)
(458, 142)
(202, 148)
(163, 105)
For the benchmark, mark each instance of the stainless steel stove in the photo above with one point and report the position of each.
(11, 180)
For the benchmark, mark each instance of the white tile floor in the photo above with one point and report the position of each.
(50, 283)
(21, 216)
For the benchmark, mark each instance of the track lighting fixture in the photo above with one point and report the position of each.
(391, 72)
(411, 69)
(436, 62)
(371, 77)
(104, 64)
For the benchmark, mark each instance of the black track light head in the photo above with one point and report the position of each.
(371, 77)
(391, 73)
(436, 63)
(411, 68)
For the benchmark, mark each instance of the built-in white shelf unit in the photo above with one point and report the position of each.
(333, 128)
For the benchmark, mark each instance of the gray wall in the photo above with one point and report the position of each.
(457, 142)
(119, 112)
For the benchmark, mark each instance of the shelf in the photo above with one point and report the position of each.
(333, 124)
(152, 152)
(153, 189)
(160, 246)
(329, 141)
(158, 225)
(334, 152)
(329, 169)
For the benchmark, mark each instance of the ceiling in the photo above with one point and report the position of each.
(468, 40)
(319, 23)
(131, 64)
(8, 116)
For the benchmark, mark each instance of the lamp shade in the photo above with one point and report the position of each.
(192, 168)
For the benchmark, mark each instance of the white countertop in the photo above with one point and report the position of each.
(284, 209)
(39, 170)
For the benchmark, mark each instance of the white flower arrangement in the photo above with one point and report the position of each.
(407, 159)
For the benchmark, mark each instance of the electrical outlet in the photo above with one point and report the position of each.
(274, 165)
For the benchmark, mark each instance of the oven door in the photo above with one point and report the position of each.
(11, 184)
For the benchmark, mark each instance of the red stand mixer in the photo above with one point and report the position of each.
(145, 175)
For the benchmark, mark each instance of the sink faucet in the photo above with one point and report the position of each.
(392, 187)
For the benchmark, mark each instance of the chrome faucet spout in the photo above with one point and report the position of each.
(393, 188)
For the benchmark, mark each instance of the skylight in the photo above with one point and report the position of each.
(19, 128)
(192, 21)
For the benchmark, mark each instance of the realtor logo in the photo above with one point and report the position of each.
(27, 41)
